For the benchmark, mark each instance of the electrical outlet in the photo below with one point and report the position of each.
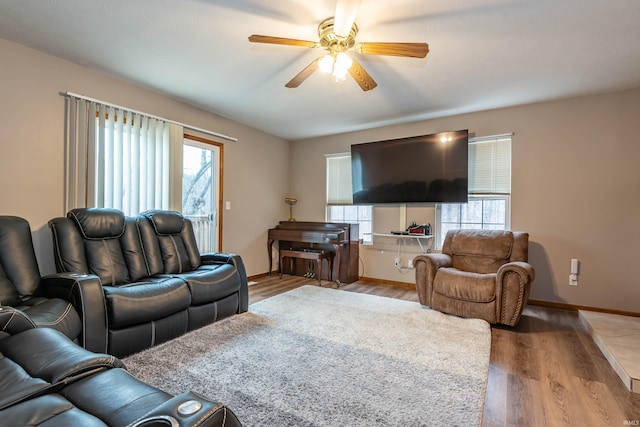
(410, 263)
(575, 270)
(396, 262)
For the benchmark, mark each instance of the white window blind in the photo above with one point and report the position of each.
(490, 165)
(339, 179)
(121, 159)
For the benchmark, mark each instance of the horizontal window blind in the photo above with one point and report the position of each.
(339, 179)
(490, 165)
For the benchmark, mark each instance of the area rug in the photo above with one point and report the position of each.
(325, 357)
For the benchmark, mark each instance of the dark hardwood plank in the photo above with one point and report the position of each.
(546, 371)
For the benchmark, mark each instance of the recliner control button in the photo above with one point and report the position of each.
(189, 407)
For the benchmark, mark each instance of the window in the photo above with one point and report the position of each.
(340, 206)
(489, 190)
(361, 215)
(484, 212)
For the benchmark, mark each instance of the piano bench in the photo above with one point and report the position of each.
(316, 256)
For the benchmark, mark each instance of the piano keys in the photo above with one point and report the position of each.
(341, 238)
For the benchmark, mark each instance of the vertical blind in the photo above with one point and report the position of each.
(490, 165)
(339, 179)
(120, 159)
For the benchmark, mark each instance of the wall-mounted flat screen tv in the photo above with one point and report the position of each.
(427, 168)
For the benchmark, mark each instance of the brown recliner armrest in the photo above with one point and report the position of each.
(426, 267)
(513, 284)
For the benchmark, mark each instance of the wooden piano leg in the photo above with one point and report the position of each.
(338, 251)
(319, 269)
(330, 262)
(269, 246)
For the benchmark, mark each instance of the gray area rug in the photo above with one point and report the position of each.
(325, 357)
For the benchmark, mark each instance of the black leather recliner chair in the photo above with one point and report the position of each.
(22, 287)
(156, 285)
(47, 380)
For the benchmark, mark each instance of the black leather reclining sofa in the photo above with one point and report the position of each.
(154, 283)
(48, 380)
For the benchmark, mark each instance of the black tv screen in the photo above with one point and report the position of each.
(427, 168)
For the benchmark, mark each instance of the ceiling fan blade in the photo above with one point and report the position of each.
(345, 16)
(256, 38)
(302, 75)
(413, 50)
(361, 76)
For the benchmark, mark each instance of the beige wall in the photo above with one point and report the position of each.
(575, 178)
(32, 151)
(575, 184)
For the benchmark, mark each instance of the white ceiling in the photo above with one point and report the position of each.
(483, 54)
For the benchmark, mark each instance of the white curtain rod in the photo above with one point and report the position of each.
(208, 132)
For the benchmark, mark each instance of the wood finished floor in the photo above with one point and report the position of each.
(546, 371)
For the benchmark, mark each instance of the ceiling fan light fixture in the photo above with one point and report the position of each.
(326, 64)
(341, 66)
(336, 64)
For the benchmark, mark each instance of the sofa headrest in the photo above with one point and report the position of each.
(495, 244)
(19, 273)
(165, 222)
(98, 223)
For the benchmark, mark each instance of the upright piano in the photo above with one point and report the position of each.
(341, 238)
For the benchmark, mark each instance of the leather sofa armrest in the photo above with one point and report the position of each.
(13, 321)
(426, 267)
(513, 287)
(49, 354)
(188, 409)
(217, 257)
(221, 257)
(85, 292)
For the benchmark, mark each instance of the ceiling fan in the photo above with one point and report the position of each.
(337, 35)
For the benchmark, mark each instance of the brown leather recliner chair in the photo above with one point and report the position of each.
(480, 274)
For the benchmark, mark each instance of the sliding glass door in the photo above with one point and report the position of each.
(201, 191)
